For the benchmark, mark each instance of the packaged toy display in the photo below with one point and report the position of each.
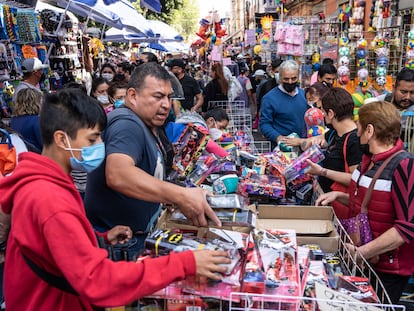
(300, 166)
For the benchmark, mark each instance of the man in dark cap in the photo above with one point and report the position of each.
(193, 99)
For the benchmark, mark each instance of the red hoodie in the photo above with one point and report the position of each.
(50, 226)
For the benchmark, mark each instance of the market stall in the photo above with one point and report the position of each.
(286, 253)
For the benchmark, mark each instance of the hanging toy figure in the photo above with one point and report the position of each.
(361, 54)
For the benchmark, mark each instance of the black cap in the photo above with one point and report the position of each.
(176, 62)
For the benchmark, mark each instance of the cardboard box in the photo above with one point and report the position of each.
(313, 224)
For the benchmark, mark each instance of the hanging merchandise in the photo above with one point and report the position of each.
(357, 19)
(289, 39)
(382, 52)
(361, 62)
(409, 63)
(211, 29)
(343, 63)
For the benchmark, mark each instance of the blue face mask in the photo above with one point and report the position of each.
(92, 157)
(119, 102)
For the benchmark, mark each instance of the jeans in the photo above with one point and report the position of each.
(128, 251)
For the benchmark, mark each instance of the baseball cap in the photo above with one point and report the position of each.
(33, 64)
(240, 56)
(176, 62)
(259, 72)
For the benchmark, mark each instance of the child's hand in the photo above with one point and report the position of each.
(211, 263)
(119, 234)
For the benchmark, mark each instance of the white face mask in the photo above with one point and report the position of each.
(277, 77)
(103, 99)
(107, 76)
(215, 133)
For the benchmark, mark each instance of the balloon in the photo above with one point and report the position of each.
(362, 43)
(362, 73)
(343, 41)
(343, 51)
(343, 61)
(381, 71)
(257, 49)
(343, 71)
(381, 80)
(361, 54)
(358, 99)
(343, 80)
(382, 61)
(411, 34)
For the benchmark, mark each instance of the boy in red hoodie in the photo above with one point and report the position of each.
(50, 231)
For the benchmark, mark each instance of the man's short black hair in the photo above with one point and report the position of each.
(405, 74)
(69, 110)
(152, 69)
(326, 69)
(327, 61)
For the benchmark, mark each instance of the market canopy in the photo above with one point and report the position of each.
(164, 31)
(119, 14)
(161, 31)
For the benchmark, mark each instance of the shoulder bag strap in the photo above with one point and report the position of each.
(56, 281)
(344, 152)
(367, 197)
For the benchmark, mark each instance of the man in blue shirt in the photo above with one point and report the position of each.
(284, 107)
(128, 187)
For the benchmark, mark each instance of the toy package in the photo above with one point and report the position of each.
(162, 242)
(254, 275)
(202, 169)
(300, 166)
(277, 250)
(358, 288)
(189, 148)
(266, 185)
(231, 281)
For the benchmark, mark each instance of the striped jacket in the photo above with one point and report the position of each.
(391, 205)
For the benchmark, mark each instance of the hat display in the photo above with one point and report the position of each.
(259, 72)
(33, 64)
(176, 62)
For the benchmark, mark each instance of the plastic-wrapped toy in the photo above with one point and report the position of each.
(300, 166)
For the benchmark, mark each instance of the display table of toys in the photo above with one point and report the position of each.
(286, 255)
(283, 258)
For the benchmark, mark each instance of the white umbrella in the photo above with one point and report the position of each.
(164, 31)
(119, 14)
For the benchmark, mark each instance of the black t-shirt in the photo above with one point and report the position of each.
(212, 92)
(334, 157)
(191, 88)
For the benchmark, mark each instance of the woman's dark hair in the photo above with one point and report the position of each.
(113, 86)
(97, 82)
(340, 102)
(217, 68)
(108, 65)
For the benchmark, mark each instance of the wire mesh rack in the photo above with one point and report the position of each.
(253, 302)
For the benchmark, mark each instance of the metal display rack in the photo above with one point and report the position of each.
(240, 119)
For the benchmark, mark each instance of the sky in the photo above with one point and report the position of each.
(222, 6)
